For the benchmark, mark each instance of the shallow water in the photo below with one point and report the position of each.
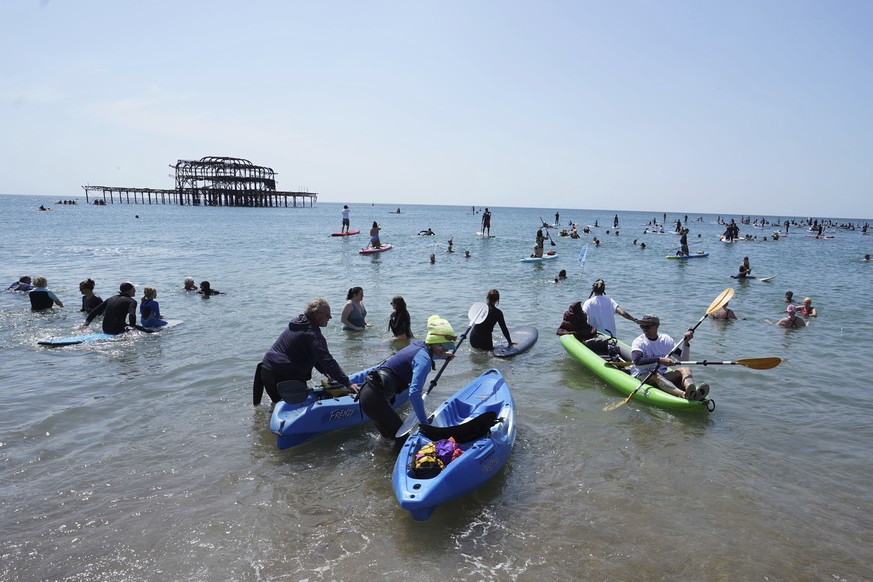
(141, 458)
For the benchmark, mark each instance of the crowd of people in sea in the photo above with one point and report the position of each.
(119, 311)
(302, 348)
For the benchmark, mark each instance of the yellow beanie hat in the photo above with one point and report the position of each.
(439, 331)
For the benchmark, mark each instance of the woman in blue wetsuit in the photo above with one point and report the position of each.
(354, 314)
(480, 337)
(149, 311)
(407, 369)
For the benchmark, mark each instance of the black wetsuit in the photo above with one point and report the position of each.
(40, 300)
(90, 304)
(480, 337)
(117, 311)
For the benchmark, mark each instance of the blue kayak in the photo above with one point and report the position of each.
(320, 412)
(481, 418)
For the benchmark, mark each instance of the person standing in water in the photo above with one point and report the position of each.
(480, 337)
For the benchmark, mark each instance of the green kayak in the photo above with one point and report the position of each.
(624, 382)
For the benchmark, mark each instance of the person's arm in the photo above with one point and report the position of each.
(421, 364)
(625, 314)
(502, 323)
(328, 366)
(131, 312)
(54, 298)
(95, 312)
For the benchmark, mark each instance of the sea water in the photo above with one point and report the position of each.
(142, 458)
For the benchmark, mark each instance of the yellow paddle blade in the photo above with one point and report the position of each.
(760, 363)
(614, 405)
(721, 300)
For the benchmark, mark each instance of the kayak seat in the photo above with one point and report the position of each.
(471, 430)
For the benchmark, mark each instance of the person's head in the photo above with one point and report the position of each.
(562, 274)
(189, 283)
(791, 310)
(127, 288)
(375, 224)
(866, 257)
(345, 206)
(599, 287)
(745, 259)
(398, 303)
(440, 336)
(27, 279)
(649, 324)
(493, 297)
(789, 296)
(149, 293)
(807, 301)
(40, 282)
(86, 285)
(318, 311)
(355, 293)
(205, 287)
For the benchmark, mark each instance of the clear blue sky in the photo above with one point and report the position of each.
(742, 107)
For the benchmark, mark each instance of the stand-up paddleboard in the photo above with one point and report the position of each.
(349, 233)
(57, 342)
(539, 259)
(766, 279)
(371, 250)
(819, 236)
(697, 255)
(483, 235)
(524, 337)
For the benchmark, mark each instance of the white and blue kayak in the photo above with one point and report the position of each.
(57, 342)
(322, 411)
(481, 419)
(547, 257)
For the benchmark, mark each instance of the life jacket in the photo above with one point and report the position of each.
(434, 456)
(40, 300)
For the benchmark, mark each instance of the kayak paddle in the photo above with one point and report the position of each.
(754, 363)
(477, 314)
(718, 303)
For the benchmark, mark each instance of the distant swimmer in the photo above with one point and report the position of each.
(792, 319)
(427, 232)
(724, 313)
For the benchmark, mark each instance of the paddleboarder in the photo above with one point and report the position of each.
(486, 223)
(345, 214)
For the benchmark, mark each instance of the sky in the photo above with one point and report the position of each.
(742, 107)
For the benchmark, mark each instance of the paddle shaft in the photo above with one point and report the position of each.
(412, 419)
(754, 363)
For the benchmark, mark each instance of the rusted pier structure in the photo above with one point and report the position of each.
(210, 181)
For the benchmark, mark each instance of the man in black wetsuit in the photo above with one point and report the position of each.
(116, 309)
